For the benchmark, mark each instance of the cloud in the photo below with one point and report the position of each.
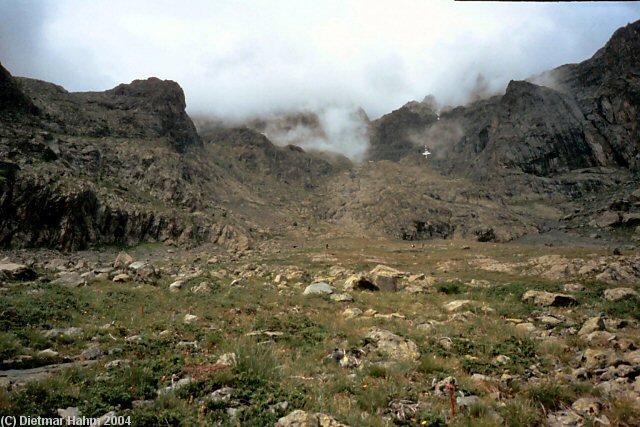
(242, 59)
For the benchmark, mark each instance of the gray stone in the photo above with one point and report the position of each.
(300, 418)
(350, 313)
(70, 412)
(549, 299)
(617, 294)
(223, 394)
(91, 353)
(48, 354)
(342, 297)
(16, 271)
(587, 406)
(175, 386)
(392, 345)
(72, 332)
(190, 318)
(592, 325)
(176, 286)
(70, 280)
(319, 288)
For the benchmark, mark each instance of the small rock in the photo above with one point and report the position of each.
(350, 313)
(300, 418)
(70, 280)
(190, 318)
(550, 321)
(592, 325)
(441, 388)
(122, 261)
(228, 359)
(176, 286)
(526, 327)
(48, 354)
(16, 271)
(617, 294)
(467, 402)
(573, 287)
(70, 412)
(202, 288)
(501, 360)
(175, 386)
(587, 407)
(72, 332)
(394, 346)
(564, 418)
(117, 363)
(122, 277)
(596, 358)
(133, 338)
(632, 357)
(343, 297)
(457, 305)
(91, 353)
(370, 312)
(223, 394)
(601, 337)
(319, 288)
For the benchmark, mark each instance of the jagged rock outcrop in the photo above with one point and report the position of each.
(577, 116)
(148, 108)
(398, 133)
(12, 100)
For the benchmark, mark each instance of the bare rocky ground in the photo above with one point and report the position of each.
(323, 328)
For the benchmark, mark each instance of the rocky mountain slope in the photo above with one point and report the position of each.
(127, 165)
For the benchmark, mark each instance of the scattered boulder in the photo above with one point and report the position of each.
(456, 305)
(16, 271)
(606, 219)
(596, 358)
(587, 407)
(202, 288)
(190, 319)
(392, 345)
(71, 412)
(48, 354)
(175, 385)
(592, 325)
(72, 332)
(122, 261)
(143, 271)
(386, 278)
(342, 297)
(91, 353)
(359, 282)
(122, 277)
(350, 313)
(69, 280)
(319, 288)
(227, 359)
(573, 287)
(617, 294)
(549, 299)
(176, 286)
(300, 418)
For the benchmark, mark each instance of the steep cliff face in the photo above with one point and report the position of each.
(398, 133)
(12, 100)
(142, 109)
(577, 116)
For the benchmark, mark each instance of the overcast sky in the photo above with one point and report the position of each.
(237, 58)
